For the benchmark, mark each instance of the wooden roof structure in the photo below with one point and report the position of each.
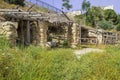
(34, 16)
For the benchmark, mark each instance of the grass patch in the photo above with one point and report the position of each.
(35, 63)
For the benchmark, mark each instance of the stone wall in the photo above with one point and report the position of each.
(75, 35)
(9, 29)
(43, 27)
(38, 33)
(35, 33)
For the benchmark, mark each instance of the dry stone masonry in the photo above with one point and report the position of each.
(75, 35)
(33, 28)
(9, 29)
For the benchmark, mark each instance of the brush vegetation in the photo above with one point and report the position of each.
(35, 63)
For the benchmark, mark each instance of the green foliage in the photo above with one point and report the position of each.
(106, 25)
(118, 27)
(17, 2)
(85, 5)
(35, 63)
(79, 19)
(110, 15)
(103, 66)
(4, 44)
(93, 15)
(96, 16)
(118, 19)
(66, 4)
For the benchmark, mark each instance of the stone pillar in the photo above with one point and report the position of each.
(9, 29)
(66, 32)
(75, 35)
(99, 38)
(43, 33)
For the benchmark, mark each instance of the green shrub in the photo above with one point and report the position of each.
(106, 25)
(118, 27)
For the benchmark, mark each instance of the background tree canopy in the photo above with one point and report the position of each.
(118, 27)
(66, 4)
(106, 25)
(110, 15)
(17, 2)
(85, 5)
(96, 16)
(93, 15)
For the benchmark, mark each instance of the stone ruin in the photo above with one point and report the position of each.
(39, 36)
(46, 29)
(97, 36)
(39, 29)
(9, 30)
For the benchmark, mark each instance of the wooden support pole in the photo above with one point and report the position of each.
(22, 32)
(30, 7)
(28, 31)
(13, 19)
(80, 34)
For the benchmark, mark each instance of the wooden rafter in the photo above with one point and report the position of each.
(50, 17)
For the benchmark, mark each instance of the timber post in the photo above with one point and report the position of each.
(28, 31)
(22, 32)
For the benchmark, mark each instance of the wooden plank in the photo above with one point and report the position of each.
(51, 17)
(9, 10)
(28, 17)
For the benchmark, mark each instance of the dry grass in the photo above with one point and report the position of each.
(4, 5)
(35, 63)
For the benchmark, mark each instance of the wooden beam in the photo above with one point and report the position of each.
(32, 18)
(51, 17)
(28, 31)
(9, 10)
(30, 7)
(17, 6)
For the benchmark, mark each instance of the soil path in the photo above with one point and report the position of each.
(78, 53)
